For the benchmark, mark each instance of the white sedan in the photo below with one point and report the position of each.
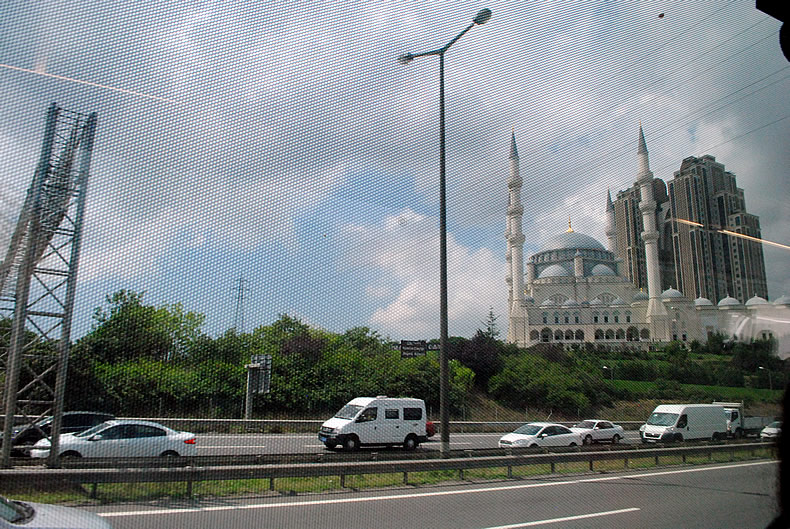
(536, 434)
(595, 431)
(122, 438)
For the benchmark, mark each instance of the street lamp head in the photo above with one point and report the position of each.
(483, 16)
(406, 58)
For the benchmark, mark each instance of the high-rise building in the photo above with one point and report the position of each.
(710, 261)
(696, 216)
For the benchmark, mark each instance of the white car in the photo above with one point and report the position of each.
(596, 431)
(122, 438)
(536, 434)
(27, 515)
(772, 431)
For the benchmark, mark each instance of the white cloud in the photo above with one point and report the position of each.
(405, 247)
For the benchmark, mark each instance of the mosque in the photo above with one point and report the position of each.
(574, 291)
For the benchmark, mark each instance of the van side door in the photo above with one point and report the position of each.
(366, 425)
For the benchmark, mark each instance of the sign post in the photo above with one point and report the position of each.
(259, 378)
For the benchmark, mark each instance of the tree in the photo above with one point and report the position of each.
(128, 329)
(491, 327)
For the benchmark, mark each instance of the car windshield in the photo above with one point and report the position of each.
(528, 429)
(91, 431)
(662, 419)
(12, 511)
(585, 424)
(349, 411)
(775, 424)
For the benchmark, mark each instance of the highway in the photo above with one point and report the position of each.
(246, 444)
(736, 495)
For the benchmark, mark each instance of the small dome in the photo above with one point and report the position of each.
(671, 293)
(547, 303)
(703, 302)
(585, 303)
(617, 301)
(602, 270)
(529, 299)
(783, 300)
(570, 303)
(554, 270)
(729, 301)
(756, 300)
(596, 302)
(641, 296)
(571, 241)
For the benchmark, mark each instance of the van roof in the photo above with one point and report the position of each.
(677, 408)
(364, 401)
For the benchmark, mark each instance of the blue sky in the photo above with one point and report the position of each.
(293, 150)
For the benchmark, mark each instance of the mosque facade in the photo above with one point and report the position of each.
(574, 291)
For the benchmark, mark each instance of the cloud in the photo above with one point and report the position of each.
(405, 248)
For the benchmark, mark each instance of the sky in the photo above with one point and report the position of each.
(282, 143)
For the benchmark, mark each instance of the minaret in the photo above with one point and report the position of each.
(515, 246)
(611, 228)
(647, 205)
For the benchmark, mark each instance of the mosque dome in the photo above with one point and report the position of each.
(571, 240)
(783, 300)
(602, 270)
(617, 301)
(547, 303)
(554, 270)
(729, 301)
(756, 300)
(596, 302)
(671, 293)
(703, 302)
(570, 303)
(529, 299)
(641, 296)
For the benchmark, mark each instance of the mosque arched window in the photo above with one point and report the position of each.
(569, 334)
(645, 334)
(610, 334)
(632, 334)
(579, 334)
(545, 335)
(599, 334)
(556, 317)
(620, 334)
(534, 335)
(545, 317)
(558, 335)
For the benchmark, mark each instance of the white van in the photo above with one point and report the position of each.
(681, 422)
(376, 421)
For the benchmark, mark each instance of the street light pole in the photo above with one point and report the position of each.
(770, 382)
(444, 369)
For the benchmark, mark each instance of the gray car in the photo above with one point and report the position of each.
(24, 515)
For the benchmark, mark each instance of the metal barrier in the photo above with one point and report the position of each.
(513, 458)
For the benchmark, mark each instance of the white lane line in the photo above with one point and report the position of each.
(564, 519)
(201, 447)
(423, 494)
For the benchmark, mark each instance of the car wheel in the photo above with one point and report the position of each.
(588, 439)
(71, 455)
(351, 443)
(615, 439)
(410, 443)
(169, 453)
(738, 433)
(572, 444)
(331, 445)
(533, 445)
(678, 438)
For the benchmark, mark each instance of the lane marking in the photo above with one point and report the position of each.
(418, 495)
(564, 519)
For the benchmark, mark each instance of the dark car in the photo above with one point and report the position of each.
(73, 422)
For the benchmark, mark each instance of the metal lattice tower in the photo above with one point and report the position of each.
(38, 277)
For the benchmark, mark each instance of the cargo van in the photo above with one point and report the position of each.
(682, 422)
(376, 421)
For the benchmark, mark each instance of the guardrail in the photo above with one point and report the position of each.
(512, 458)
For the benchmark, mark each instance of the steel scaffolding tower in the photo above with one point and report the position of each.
(38, 277)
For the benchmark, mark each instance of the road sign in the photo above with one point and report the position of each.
(412, 348)
(260, 370)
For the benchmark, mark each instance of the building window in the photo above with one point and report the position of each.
(617, 319)
(567, 319)
(545, 318)
(576, 318)
(605, 318)
(628, 318)
(595, 319)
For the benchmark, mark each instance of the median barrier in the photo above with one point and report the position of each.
(508, 459)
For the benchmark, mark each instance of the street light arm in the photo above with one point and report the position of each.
(447, 46)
